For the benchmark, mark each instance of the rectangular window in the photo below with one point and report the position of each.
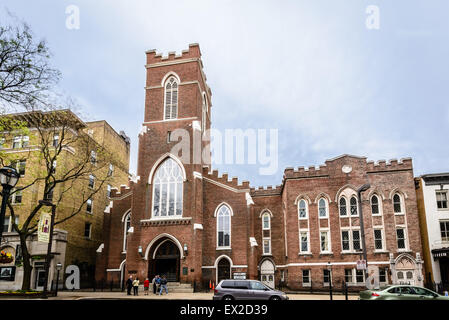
(21, 167)
(17, 142)
(87, 230)
(91, 181)
(108, 190)
(356, 240)
(306, 276)
(400, 236)
(111, 170)
(345, 240)
(2, 143)
(55, 140)
(360, 276)
(6, 224)
(93, 157)
(267, 246)
(89, 205)
(378, 242)
(326, 275)
(441, 199)
(348, 275)
(324, 241)
(444, 228)
(16, 197)
(304, 239)
(382, 275)
(25, 141)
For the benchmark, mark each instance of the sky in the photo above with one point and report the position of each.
(313, 70)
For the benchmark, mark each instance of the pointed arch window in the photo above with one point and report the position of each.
(322, 208)
(343, 209)
(266, 233)
(353, 204)
(397, 205)
(224, 227)
(167, 190)
(375, 209)
(302, 209)
(126, 226)
(171, 98)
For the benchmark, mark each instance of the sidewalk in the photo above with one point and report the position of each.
(80, 295)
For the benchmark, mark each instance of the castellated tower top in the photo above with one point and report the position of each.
(192, 53)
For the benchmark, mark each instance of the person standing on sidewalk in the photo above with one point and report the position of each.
(146, 286)
(158, 284)
(136, 287)
(129, 285)
(163, 285)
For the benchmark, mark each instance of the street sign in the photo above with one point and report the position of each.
(239, 275)
(361, 264)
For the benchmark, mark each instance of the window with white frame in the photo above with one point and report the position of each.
(359, 276)
(322, 208)
(8, 225)
(126, 226)
(378, 240)
(93, 157)
(350, 240)
(302, 209)
(266, 233)
(397, 204)
(224, 227)
(353, 205)
(110, 170)
(343, 208)
(89, 205)
(168, 190)
(442, 199)
(444, 229)
(2, 142)
(16, 196)
(375, 206)
(55, 140)
(306, 277)
(324, 241)
(108, 191)
(91, 181)
(20, 166)
(401, 238)
(349, 276)
(304, 241)
(171, 98)
(17, 142)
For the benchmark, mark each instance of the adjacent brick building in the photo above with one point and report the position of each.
(185, 220)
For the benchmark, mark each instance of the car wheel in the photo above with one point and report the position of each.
(275, 298)
(228, 298)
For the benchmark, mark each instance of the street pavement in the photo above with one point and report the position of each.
(80, 295)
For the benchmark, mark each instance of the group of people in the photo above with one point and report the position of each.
(159, 285)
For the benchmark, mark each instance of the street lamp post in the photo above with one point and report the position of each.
(8, 179)
(329, 267)
(58, 268)
(362, 228)
(48, 257)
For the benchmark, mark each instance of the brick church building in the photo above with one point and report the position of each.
(188, 222)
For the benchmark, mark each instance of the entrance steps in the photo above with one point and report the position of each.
(177, 287)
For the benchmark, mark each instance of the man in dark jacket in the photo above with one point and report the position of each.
(129, 284)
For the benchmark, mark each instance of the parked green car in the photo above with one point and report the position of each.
(401, 292)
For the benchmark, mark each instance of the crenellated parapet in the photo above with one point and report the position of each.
(391, 165)
(120, 192)
(305, 172)
(191, 53)
(224, 179)
(266, 190)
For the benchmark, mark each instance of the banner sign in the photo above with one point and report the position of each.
(361, 264)
(43, 230)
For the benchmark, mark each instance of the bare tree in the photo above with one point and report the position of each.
(25, 72)
(64, 157)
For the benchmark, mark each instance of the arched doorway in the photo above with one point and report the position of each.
(267, 273)
(223, 269)
(165, 261)
(405, 271)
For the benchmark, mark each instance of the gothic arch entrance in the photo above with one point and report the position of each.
(165, 260)
(267, 273)
(223, 269)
